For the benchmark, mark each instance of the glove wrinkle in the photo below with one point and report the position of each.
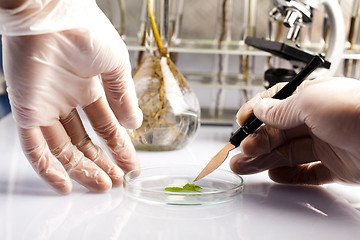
(313, 134)
(53, 54)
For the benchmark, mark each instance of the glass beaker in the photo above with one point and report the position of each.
(170, 107)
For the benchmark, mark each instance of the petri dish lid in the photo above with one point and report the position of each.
(148, 184)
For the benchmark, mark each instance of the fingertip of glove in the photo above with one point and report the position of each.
(134, 120)
(64, 188)
(103, 184)
(235, 165)
(116, 175)
(139, 118)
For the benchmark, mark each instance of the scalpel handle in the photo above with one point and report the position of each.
(254, 123)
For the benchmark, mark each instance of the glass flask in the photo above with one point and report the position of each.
(170, 107)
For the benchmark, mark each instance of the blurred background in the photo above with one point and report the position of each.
(206, 42)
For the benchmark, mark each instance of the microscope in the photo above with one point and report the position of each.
(295, 15)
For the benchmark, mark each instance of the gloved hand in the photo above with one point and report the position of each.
(54, 52)
(312, 137)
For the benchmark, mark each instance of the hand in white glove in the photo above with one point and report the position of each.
(54, 52)
(312, 137)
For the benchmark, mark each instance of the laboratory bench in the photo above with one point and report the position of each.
(30, 209)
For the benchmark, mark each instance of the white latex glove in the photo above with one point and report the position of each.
(54, 52)
(312, 137)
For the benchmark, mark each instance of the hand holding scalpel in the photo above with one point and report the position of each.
(254, 123)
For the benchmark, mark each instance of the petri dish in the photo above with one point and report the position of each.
(148, 184)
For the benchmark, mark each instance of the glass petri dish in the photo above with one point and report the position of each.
(149, 184)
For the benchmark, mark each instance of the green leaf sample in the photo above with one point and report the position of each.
(186, 188)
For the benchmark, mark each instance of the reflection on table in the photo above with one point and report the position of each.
(30, 209)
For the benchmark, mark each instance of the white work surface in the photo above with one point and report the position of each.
(30, 209)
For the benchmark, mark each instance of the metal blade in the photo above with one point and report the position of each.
(216, 161)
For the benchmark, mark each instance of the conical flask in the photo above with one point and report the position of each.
(170, 107)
